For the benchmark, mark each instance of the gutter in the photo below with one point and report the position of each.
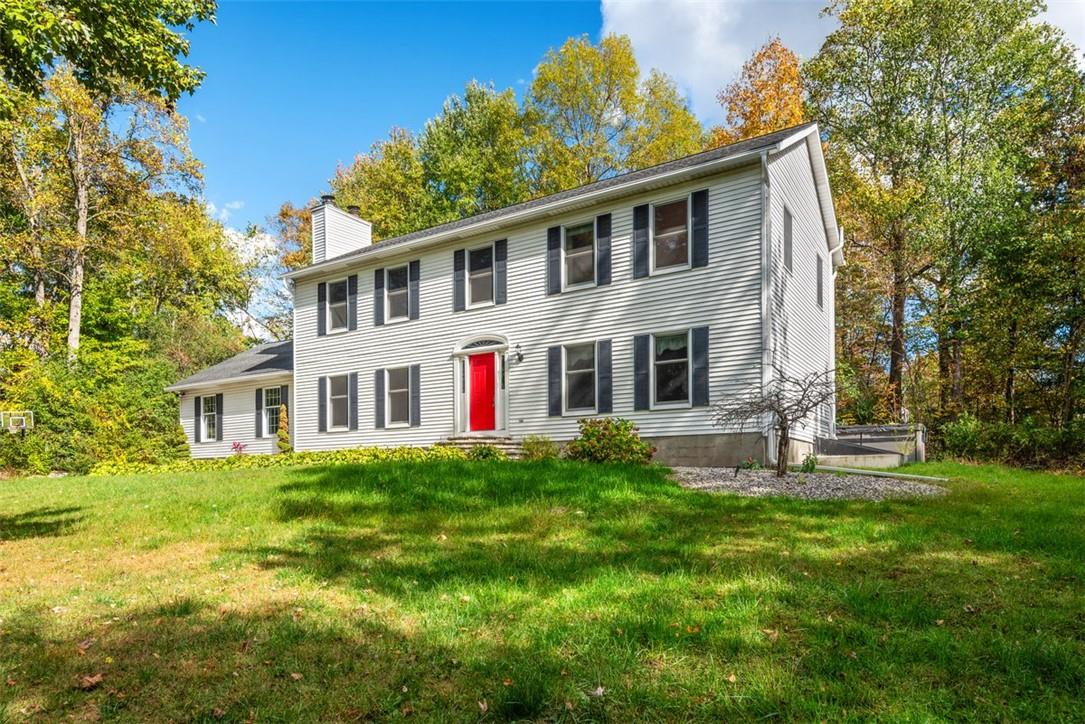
(766, 297)
(526, 215)
(182, 386)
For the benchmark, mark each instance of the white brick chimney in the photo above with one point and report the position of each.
(337, 232)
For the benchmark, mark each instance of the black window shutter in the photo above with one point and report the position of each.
(700, 228)
(284, 396)
(218, 417)
(501, 263)
(352, 400)
(352, 302)
(604, 398)
(413, 276)
(641, 378)
(700, 366)
(378, 297)
(259, 412)
(322, 404)
(321, 309)
(197, 404)
(553, 260)
(459, 292)
(640, 241)
(553, 381)
(378, 398)
(602, 249)
(416, 395)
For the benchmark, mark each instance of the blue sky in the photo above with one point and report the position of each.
(294, 88)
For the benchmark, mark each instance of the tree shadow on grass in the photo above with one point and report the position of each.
(39, 523)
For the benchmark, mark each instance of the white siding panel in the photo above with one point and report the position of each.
(802, 332)
(725, 295)
(344, 232)
(238, 419)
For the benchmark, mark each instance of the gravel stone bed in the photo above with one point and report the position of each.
(809, 486)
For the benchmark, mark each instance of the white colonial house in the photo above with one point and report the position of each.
(646, 296)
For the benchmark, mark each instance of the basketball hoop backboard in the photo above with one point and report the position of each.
(17, 420)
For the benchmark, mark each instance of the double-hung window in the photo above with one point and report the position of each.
(821, 281)
(480, 276)
(338, 402)
(579, 252)
(395, 286)
(789, 240)
(272, 401)
(670, 369)
(670, 234)
(399, 396)
(337, 305)
(580, 377)
(209, 417)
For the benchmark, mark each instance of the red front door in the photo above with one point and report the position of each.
(483, 372)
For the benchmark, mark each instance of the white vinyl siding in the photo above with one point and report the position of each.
(238, 417)
(802, 331)
(725, 295)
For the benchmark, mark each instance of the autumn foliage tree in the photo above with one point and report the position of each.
(767, 96)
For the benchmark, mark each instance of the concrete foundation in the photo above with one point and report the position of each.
(720, 450)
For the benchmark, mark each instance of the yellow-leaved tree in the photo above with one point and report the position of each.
(767, 96)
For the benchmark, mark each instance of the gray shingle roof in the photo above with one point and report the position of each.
(263, 359)
(716, 154)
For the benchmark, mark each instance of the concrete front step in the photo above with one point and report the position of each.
(882, 461)
(507, 445)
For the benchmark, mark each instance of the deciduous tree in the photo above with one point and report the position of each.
(767, 96)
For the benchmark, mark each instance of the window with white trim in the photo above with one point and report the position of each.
(395, 289)
(789, 241)
(209, 417)
(480, 276)
(338, 402)
(398, 391)
(821, 281)
(580, 377)
(670, 368)
(670, 234)
(337, 305)
(578, 249)
(272, 401)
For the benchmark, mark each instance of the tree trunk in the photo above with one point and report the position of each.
(783, 449)
(78, 168)
(896, 343)
(1010, 390)
(1068, 406)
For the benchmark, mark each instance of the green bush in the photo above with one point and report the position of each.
(1025, 444)
(809, 463)
(350, 456)
(610, 440)
(539, 447)
(484, 453)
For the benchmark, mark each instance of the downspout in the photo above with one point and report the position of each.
(766, 300)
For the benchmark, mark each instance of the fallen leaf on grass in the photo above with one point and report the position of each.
(11, 682)
(596, 692)
(296, 676)
(770, 633)
(82, 646)
(406, 709)
(218, 713)
(507, 682)
(89, 682)
(732, 678)
(693, 629)
(483, 706)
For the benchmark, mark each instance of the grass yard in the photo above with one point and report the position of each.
(467, 591)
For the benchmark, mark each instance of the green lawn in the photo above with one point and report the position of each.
(460, 591)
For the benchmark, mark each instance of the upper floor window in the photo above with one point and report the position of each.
(337, 305)
(670, 368)
(396, 289)
(821, 281)
(272, 401)
(580, 377)
(209, 417)
(579, 252)
(480, 276)
(789, 243)
(338, 402)
(670, 234)
(399, 396)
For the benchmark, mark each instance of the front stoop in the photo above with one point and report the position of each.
(505, 444)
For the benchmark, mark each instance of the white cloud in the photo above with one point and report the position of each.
(702, 45)
(223, 214)
(199, 117)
